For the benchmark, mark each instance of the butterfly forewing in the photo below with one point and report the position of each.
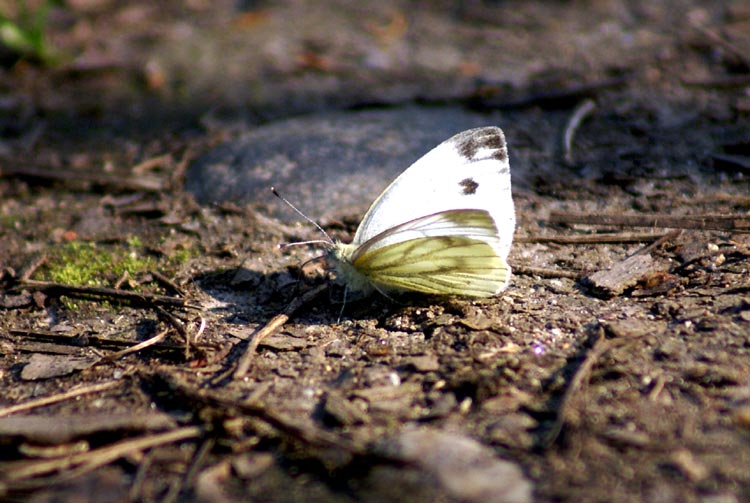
(469, 170)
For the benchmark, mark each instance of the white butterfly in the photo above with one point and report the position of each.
(444, 226)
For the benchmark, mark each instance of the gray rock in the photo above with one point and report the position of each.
(467, 470)
(328, 165)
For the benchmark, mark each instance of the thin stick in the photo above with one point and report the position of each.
(198, 461)
(276, 323)
(46, 337)
(601, 346)
(610, 238)
(720, 81)
(740, 199)
(667, 237)
(168, 282)
(78, 291)
(154, 162)
(134, 349)
(544, 272)
(102, 456)
(708, 255)
(736, 162)
(136, 487)
(201, 328)
(555, 96)
(140, 183)
(713, 36)
(735, 223)
(290, 426)
(176, 180)
(581, 112)
(29, 271)
(74, 393)
(177, 324)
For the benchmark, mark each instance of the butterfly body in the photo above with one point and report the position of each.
(444, 226)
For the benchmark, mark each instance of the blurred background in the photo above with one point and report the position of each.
(115, 59)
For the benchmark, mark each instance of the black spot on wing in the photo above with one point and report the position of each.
(501, 154)
(469, 186)
(493, 138)
(470, 142)
(468, 147)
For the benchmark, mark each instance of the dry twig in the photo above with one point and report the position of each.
(735, 223)
(177, 324)
(609, 238)
(740, 53)
(52, 340)
(666, 237)
(16, 476)
(555, 97)
(198, 462)
(167, 282)
(68, 177)
(544, 272)
(276, 323)
(136, 488)
(583, 110)
(601, 346)
(597, 351)
(74, 393)
(721, 81)
(137, 347)
(87, 292)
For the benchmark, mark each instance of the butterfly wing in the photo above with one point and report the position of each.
(447, 253)
(469, 170)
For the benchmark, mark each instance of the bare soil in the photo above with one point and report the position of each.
(616, 367)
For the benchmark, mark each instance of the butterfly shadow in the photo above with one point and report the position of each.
(250, 298)
(247, 302)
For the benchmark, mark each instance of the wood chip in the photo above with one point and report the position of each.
(343, 411)
(634, 328)
(467, 470)
(45, 366)
(424, 363)
(622, 276)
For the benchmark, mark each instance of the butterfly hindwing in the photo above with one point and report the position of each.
(450, 265)
(448, 253)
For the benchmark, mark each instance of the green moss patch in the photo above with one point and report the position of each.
(84, 263)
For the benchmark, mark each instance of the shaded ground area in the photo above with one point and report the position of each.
(614, 368)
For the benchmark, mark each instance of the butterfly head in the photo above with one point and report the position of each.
(340, 260)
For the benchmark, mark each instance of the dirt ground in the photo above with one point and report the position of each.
(155, 349)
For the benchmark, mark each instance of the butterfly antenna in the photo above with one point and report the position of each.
(276, 193)
(283, 246)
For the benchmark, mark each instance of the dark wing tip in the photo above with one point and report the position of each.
(472, 142)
